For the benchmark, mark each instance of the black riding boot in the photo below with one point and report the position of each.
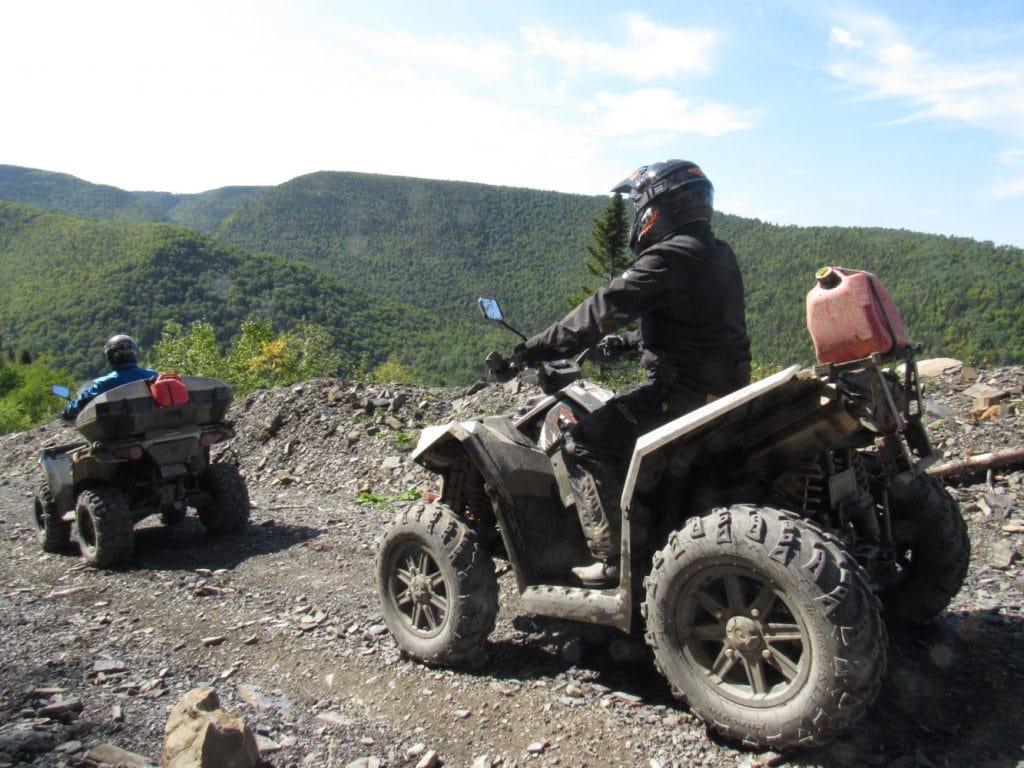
(600, 528)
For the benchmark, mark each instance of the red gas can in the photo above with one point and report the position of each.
(850, 315)
(168, 390)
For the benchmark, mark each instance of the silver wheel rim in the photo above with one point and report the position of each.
(739, 630)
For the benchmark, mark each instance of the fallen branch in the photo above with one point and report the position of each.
(975, 467)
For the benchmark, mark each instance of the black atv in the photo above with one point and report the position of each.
(146, 451)
(762, 537)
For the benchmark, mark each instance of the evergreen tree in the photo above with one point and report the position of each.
(608, 257)
(607, 252)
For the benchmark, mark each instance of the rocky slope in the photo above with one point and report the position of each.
(283, 622)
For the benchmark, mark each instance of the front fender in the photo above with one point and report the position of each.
(430, 437)
(508, 462)
(434, 447)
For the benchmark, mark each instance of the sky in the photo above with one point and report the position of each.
(903, 114)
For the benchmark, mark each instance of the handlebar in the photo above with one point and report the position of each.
(501, 367)
(550, 376)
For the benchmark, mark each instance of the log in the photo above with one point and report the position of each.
(975, 467)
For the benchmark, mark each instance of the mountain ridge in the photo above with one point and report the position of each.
(434, 246)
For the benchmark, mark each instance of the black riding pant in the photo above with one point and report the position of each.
(600, 449)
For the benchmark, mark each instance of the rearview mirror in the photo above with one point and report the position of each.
(491, 309)
(61, 391)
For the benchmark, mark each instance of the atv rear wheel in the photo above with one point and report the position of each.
(53, 531)
(436, 585)
(227, 510)
(766, 626)
(933, 551)
(106, 530)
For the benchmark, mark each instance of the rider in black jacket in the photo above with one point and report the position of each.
(686, 290)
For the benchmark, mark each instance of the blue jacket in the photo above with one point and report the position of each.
(122, 374)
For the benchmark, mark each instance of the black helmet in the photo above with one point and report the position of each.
(121, 349)
(666, 196)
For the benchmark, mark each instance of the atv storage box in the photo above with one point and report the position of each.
(130, 409)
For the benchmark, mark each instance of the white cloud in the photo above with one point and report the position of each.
(144, 96)
(1013, 188)
(979, 87)
(663, 111)
(651, 52)
(845, 38)
(483, 60)
(1008, 190)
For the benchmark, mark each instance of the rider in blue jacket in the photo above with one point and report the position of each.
(123, 355)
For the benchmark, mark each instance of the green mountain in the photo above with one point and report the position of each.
(440, 244)
(67, 194)
(436, 244)
(203, 211)
(415, 254)
(70, 282)
(958, 297)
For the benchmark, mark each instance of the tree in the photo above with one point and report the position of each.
(10, 379)
(258, 358)
(608, 255)
(392, 371)
(26, 399)
(191, 352)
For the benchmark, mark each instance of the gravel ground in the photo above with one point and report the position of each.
(283, 621)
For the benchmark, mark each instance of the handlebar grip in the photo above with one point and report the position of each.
(496, 362)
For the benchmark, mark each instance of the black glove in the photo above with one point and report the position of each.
(500, 368)
(613, 344)
(522, 357)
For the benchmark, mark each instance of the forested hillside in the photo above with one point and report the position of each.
(439, 245)
(69, 283)
(67, 194)
(389, 263)
(958, 297)
(203, 211)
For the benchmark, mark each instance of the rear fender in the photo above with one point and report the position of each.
(57, 469)
(735, 408)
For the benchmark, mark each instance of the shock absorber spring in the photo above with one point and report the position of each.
(804, 489)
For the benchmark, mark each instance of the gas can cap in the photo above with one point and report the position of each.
(827, 277)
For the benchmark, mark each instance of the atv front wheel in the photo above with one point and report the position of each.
(53, 531)
(436, 585)
(227, 510)
(106, 530)
(766, 626)
(933, 551)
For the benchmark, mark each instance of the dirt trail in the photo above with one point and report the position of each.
(283, 622)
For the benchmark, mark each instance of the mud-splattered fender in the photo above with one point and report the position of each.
(662, 438)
